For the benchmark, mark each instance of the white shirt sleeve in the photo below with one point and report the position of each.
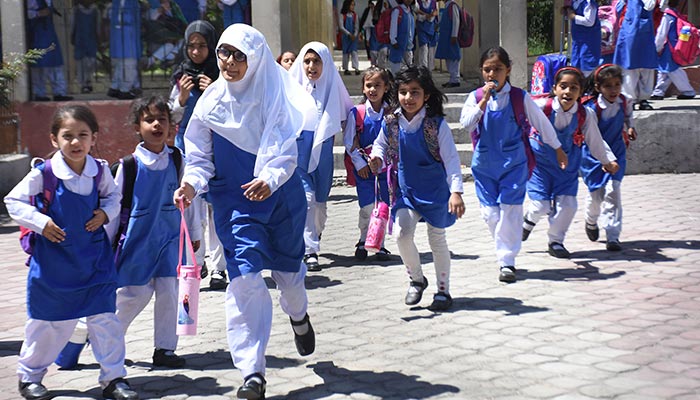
(450, 158)
(177, 110)
(349, 140)
(341, 25)
(540, 122)
(455, 19)
(594, 140)
(662, 32)
(588, 17)
(471, 113)
(200, 166)
(18, 202)
(649, 4)
(113, 225)
(394, 27)
(110, 197)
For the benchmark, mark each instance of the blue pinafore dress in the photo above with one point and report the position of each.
(84, 29)
(499, 164)
(666, 63)
(319, 180)
(635, 42)
(75, 278)
(404, 35)
(422, 180)
(349, 21)
(425, 30)
(445, 49)
(43, 34)
(365, 187)
(548, 180)
(256, 235)
(195, 94)
(151, 246)
(591, 169)
(585, 46)
(125, 30)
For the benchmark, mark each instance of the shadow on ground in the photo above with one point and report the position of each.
(508, 305)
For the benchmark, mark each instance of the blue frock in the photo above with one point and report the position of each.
(75, 278)
(591, 169)
(425, 30)
(445, 49)
(319, 180)
(151, 246)
(585, 47)
(365, 187)
(666, 63)
(404, 35)
(43, 34)
(125, 30)
(256, 235)
(349, 21)
(635, 42)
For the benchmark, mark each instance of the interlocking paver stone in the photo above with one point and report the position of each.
(601, 325)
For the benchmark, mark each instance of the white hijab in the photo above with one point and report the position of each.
(264, 112)
(331, 93)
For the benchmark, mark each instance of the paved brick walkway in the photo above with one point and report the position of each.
(599, 326)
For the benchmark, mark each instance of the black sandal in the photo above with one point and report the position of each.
(306, 343)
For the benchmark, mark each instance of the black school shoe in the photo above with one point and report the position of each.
(218, 280)
(306, 343)
(558, 250)
(253, 388)
(360, 251)
(311, 261)
(526, 232)
(33, 391)
(119, 389)
(441, 302)
(383, 255)
(613, 245)
(167, 358)
(507, 274)
(592, 232)
(415, 292)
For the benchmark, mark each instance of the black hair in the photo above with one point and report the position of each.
(436, 99)
(388, 79)
(602, 74)
(571, 71)
(673, 3)
(76, 111)
(141, 106)
(497, 51)
(346, 6)
(279, 58)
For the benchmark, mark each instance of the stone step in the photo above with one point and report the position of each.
(464, 150)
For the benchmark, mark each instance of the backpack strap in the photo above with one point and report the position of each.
(177, 159)
(50, 183)
(517, 101)
(431, 125)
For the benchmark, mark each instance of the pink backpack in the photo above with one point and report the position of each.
(686, 49)
(609, 28)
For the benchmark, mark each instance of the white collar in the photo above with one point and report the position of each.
(63, 172)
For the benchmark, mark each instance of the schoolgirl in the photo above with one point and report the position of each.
(635, 52)
(71, 271)
(286, 59)
(125, 48)
(426, 22)
(349, 27)
(447, 45)
(401, 33)
(416, 143)
(669, 71)
(315, 71)
(147, 253)
(361, 129)
(496, 113)
(551, 189)
(617, 128)
(84, 40)
(241, 147)
(585, 35)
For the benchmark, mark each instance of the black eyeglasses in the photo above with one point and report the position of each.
(224, 53)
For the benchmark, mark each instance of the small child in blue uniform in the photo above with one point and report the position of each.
(125, 48)
(416, 143)
(235, 12)
(426, 35)
(85, 42)
(401, 33)
(241, 146)
(147, 258)
(349, 27)
(500, 164)
(314, 70)
(551, 189)
(377, 85)
(71, 272)
(585, 35)
(447, 45)
(668, 71)
(616, 125)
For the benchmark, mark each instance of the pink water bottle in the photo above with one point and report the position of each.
(377, 227)
(188, 279)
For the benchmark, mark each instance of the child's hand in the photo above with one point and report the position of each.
(571, 14)
(562, 159)
(632, 133)
(186, 85)
(53, 232)
(256, 190)
(611, 168)
(489, 87)
(195, 245)
(375, 164)
(456, 205)
(204, 82)
(185, 193)
(364, 172)
(99, 219)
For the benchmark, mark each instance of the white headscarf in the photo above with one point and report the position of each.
(265, 111)
(330, 91)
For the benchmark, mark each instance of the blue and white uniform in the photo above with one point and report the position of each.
(446, 50)
(401, 32)
(635, 52)
(125, 44)
(552, 191)
(85, 42)
(424, 189)
(585, 36)
(235, 12)
(426, 34)
(42, 34)
(348, 24)
(604, 195)
(192, 10)
(371, 125)
(500, 180)
(315, 146)
(241, 131)
(72, 279)
(668, 71)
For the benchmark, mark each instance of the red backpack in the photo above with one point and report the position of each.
(686, 50)
(384, 25)
(580, 114)
(465, 33)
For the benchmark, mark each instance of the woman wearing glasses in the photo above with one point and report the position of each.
(241, 148)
